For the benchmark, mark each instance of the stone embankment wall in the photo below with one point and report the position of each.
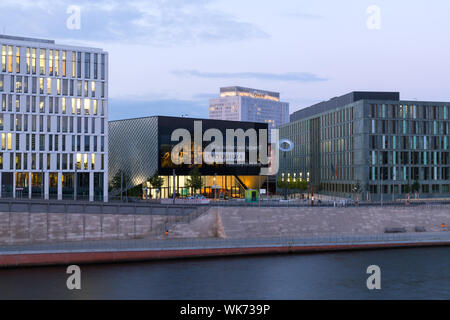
(16, 228)
(325, 221)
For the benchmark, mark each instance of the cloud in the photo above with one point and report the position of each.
(289, 76)
(154, 22)
(303, 16)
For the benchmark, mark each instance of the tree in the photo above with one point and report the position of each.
(415, 186)
(280, 183)
(156, 182)
(195, 180)
(120, 181)
(407, 189)
(302, 185)
(291, 183)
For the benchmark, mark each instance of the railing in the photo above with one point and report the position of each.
(286, 241)
(69, 206)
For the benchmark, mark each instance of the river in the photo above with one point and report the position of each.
(405, 274)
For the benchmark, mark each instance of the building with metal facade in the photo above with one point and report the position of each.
(374, 140)
(141, 147)
(53, 120)
(246, 104)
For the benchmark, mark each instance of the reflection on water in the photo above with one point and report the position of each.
(406, 274)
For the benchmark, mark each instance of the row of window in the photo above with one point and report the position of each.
(51, 86)
(65, 161)
(410, 127)
(56, 124)
(409, 142)
(11, 103)
(408, 111)
(409, 173)
(52, 62)
(51, 142)
(409, 158)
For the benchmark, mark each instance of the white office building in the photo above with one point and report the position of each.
(246, 104)
(53, 120)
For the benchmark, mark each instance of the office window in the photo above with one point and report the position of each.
(56, 63)
(3, 58)
(87, 106)
(10, 59)
(103, 67)
(42, 65)
(64, 63)
(95, 65)
(33, 60)
(87, 65)
(50, 62)
(17, 59)
(78, 64)
(87, 145)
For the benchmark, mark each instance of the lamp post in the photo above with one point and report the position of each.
(288, 148)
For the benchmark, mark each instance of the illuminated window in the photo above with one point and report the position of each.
(50, 62)
(85, 162)
(41, 85)
(78, 161)
(87, 106)
(3, 58)
(63, 102)
(33, 60)
(17, 59)
(64, 67)
(73, 64)
(73, 105)
(78, 106)
(56, 63)
(42, 65)
(10, 59)
(9, 141)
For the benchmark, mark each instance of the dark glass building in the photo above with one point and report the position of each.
(142, 147)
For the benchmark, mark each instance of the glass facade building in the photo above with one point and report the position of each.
(142, 147)
(374, 140)
(53, 120)
(246, 104)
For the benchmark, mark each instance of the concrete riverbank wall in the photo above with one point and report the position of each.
(20, 228)
(255, 222)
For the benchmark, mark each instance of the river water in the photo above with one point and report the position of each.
(405, 274)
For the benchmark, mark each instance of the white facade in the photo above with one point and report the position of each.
(245, 104)
(53, 120)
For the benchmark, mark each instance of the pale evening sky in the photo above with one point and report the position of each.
(168, 57)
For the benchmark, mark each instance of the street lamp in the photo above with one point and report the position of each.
(286, 146)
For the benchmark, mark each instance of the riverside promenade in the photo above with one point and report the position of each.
(144, 249)
(217, 231)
